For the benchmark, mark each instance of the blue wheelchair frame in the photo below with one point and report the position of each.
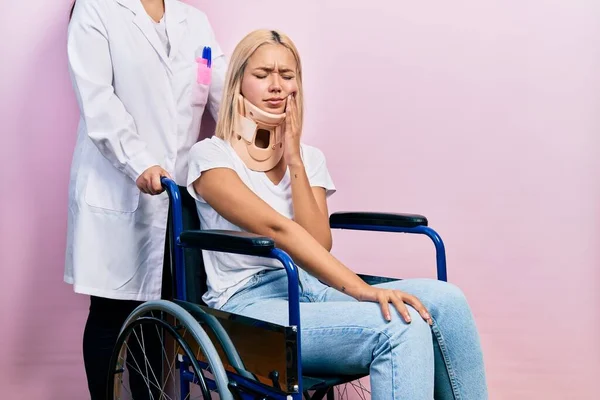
(248, 244)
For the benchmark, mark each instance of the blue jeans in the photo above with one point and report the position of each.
(343, 336)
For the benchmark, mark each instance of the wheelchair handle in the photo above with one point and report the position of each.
(177, 225)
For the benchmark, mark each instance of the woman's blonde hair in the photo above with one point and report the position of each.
(235, 73)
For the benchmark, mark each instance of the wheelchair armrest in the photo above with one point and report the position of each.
(253, 245)
(228, 242)
(390, 222)
(375, 219)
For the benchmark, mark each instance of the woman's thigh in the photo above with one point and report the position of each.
(343, 336)
(437, 296)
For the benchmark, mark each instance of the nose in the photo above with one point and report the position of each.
(275, 84)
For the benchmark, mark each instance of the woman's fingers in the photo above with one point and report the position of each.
(155, 184)
(400, 300)
(400, 306)
(295, 113)
(289, 106)
(149, 182)
(288, 116)
(387, 297)
(417, 305)
(156, 180)
(291, 111)
(385, 307)
(165, 174)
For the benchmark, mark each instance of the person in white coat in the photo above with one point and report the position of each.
(143, 72)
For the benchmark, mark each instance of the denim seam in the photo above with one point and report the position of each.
(451, 373)
(337, 327)
(380, 332)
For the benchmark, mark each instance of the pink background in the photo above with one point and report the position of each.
(481, 115)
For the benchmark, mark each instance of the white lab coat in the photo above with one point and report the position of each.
(139, 107)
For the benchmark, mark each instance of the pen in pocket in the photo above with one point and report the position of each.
(204, 66)
(207, 55)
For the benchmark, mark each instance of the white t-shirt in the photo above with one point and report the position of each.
(161, 31)
(227, 273)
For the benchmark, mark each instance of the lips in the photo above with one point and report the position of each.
(275, 102)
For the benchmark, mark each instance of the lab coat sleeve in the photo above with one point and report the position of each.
(110, 127)
(219, 69)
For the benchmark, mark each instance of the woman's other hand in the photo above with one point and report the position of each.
(386, 296)
(292, 133)
(149, 181)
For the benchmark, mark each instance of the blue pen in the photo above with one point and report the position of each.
(207, 55)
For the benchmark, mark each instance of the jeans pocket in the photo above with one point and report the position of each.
(256, 280)
(238, 300)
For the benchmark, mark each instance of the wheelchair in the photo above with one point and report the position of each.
(182, 349)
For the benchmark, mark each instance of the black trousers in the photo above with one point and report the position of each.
(105, 319)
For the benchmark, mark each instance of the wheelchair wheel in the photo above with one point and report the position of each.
(157, 357)
(359, 390)
(353, 390)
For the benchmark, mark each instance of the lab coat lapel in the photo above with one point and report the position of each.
(176, 15)
(143, 21)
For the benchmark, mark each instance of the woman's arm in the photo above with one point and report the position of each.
(309, 203)
(224, 191)
(310, 206)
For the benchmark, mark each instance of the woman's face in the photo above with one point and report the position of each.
(270, 77)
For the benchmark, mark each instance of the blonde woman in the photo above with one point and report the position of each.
(256, 175)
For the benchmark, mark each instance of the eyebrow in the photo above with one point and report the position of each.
(271, 69)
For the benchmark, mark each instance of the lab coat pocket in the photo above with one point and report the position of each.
(201, 85)
(204, 72)
(200, 94)
(109, 189)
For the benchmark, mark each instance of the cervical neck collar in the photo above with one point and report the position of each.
(258, 136)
